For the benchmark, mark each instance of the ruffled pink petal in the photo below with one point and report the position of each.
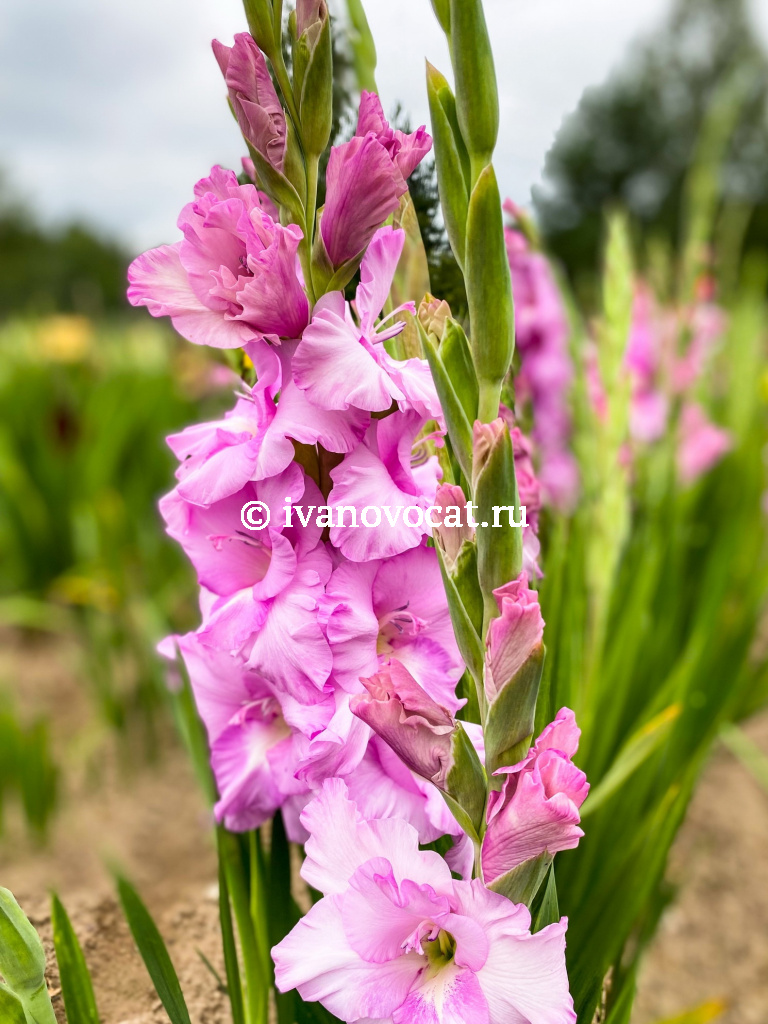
(377, 271)
(290, 648)
(159, 282)
(383, 917)
(350, 623)
(336, 371)
(316, 959)
(341, 840)
(363, 189)
(248, 795)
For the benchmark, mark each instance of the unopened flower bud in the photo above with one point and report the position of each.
(253, 97)
(313, 73)
(537, 809)
(513, 664)
(499, 543)
(433, 313)
(426, 738)
(417, 728)
(454, 526)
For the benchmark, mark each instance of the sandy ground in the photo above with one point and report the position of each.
(151, 822)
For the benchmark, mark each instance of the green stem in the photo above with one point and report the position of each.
(313, 170)
(477, 164)
(256, 985)
(284, 81)
(305, 258)
(490, 398)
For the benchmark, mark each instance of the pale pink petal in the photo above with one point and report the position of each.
(159, 282)
(451, 996)
(341, 840)
(316, 959)
(337, 371)
(377, 272)
(382, 918)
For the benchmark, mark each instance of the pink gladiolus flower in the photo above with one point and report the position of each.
(255, 440)
(234, 277)
(391, 471)
(403, 714)
(537, 808)
(261, 589)
(339, 364)
(365, 179)
(393, 609)
(253, 745)
(396, 938)
(407, 151)
(383, 787)
(254, 101)
(514, 636)
(701, 444)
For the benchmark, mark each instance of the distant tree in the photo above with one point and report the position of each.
(631, 140)
(51, 270)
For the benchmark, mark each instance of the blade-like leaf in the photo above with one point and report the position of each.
(548, 910)
(234, 982)
(153, 952)
(76, 986)
(11, 1010)
(637, 749)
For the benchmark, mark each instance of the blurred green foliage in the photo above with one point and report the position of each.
(28, 772)
(84, 409)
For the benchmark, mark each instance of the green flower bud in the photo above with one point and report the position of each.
(442, 9)
(456, 420)
(313, 62)
(465, 783)
(456, 357)
(523, 882)
(499, 544)
(451, 161)
(261, 23)
(476, 92)
(489, 287)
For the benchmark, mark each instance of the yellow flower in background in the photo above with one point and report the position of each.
(65, 337)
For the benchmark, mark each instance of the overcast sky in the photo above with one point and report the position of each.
(110, 111)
